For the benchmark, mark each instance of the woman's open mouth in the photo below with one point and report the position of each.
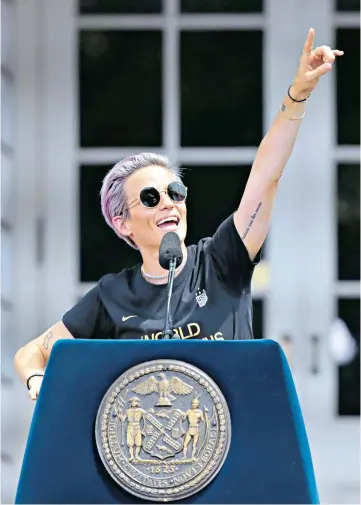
(169, 223)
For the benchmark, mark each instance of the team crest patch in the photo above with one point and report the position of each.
(201, 297)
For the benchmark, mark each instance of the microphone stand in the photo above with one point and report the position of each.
(168, 328)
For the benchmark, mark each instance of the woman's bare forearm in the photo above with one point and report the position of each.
(34, 356)
(28, 360)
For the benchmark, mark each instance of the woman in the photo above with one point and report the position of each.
(142, 199)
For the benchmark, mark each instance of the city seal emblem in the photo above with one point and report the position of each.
(163, 430)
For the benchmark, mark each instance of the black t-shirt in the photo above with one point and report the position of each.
(211, 297)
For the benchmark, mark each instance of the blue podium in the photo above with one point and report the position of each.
(269, 460)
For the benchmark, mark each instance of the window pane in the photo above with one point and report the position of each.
(221, 88)
(119, 6)
(222, 5)
(348, 86)
(211, 198)
(101, 251)
(349, 375)
(120, 88)
(348, 5)
(348, 222)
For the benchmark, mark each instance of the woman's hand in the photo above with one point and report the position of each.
(313, 64)
(34, 385)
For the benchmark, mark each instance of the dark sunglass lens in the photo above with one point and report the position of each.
(177, 192)
(149, 197)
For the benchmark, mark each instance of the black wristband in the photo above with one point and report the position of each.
(293, 99)
(31, 376)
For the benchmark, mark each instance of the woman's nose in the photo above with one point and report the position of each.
(165, 201)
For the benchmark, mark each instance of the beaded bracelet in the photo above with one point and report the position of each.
(31, 376)
(293, 99)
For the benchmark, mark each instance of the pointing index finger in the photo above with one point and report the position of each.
(307, 48)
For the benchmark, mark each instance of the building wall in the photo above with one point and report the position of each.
(8, 204)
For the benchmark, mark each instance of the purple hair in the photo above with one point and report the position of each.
(112, 195)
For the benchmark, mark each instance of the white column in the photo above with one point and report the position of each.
(282, 50)
(317, 219)
(60, 165)
(28, 150)
(16, 406)
(302, 247)
(171, 85)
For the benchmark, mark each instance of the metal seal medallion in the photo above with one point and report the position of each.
(163, 430)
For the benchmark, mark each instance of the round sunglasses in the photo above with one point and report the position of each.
(150, 197)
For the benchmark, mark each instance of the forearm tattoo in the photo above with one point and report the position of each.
(251, 221)
(46, 340)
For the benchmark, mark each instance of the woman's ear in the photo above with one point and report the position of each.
(121, 226)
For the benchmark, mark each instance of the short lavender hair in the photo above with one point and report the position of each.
(112, 195)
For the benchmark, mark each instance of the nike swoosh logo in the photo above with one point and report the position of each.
(126, 318)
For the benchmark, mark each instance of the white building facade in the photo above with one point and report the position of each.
(51, 151)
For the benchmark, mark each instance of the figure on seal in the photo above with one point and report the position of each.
(134, 433)
(195, 417)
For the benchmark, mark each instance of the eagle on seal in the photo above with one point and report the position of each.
(164, 388)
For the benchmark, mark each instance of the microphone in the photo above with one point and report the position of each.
(170, 257)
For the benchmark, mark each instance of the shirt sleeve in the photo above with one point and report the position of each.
(230, 256)
(89, 319)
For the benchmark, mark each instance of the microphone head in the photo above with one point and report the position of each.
(170, 247)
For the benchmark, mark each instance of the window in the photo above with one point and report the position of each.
(214, 193)
(348, 195)
(348, 86)
(123, 105)
(101, 251)
(348, 5)
(120, 88)
(221, 85)
(221, 6)
(120, 6)
(349, 375)
(348, 178)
